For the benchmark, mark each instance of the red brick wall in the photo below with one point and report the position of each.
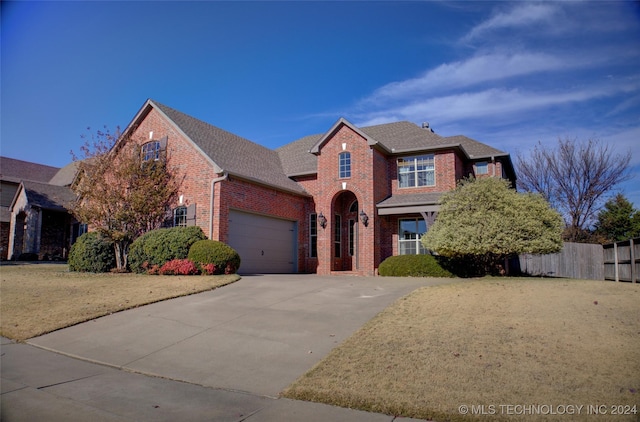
(197, 173)
(329, 195)
(446, 171)
(195, 170)
(235, 193)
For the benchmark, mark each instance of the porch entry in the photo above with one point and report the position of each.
(345, 230)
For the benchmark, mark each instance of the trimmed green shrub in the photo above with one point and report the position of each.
(412, 266)
(223, 256)
(156, 247)
(92, 253)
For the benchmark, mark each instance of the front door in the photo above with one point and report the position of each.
(345, 232)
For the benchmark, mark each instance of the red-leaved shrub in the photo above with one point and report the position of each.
(208, 269)
(150, 269)
(178, 267)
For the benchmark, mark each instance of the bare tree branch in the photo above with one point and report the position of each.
(574, 177)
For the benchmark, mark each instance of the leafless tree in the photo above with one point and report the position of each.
(575, 178)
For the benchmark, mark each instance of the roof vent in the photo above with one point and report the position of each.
(425, 125)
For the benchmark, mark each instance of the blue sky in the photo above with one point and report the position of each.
(509, 74)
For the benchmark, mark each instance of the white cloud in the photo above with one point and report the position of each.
(495, 104)
(521, 16)
(478, 69)
(625, 141)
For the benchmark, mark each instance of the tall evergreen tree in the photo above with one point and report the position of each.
(618, 220)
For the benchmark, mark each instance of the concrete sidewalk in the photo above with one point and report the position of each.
(222, 355)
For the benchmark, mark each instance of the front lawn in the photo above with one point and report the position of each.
(40, 298)
(485, 349)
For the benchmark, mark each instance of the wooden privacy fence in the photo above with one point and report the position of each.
(576, 260)
(622, 260)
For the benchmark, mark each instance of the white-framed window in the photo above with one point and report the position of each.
(482, 167)
(416, 171)
(313, 236)
(151, 151)
(337, 236)
(409, 234)
(344, 162)
(180, 217)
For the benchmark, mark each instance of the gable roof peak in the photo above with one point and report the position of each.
(315, 149)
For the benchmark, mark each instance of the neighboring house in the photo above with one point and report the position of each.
(35, 220)
(340, 201)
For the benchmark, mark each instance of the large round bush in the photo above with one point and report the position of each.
(156, 247)
(92, 253)
(412, 266)
(223, 256)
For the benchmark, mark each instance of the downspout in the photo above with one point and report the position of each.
(224, 176)
(493, 161)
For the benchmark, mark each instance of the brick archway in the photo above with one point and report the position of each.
(344, 231)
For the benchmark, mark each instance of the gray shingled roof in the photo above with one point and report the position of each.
(295, 157)
(13, 170)
(403, 136)
(236, 155)
(66, 175)
(398, 137)
(474, 148)
(49, 197)
(410, 199)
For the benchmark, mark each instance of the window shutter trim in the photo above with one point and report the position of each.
(191, 215)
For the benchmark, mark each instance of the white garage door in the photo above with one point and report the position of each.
(265, 244)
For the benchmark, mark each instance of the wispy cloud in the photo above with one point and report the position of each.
(473, 71)
(518, 74)
(497, 104)
(523, 15)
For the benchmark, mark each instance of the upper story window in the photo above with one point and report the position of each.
(482, 167)
(151, 151)
(416, 171)
(345, 165)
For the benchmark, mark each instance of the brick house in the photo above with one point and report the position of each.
(339, 201)
(35, 221)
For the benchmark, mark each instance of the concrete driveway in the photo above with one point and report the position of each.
(257, 335)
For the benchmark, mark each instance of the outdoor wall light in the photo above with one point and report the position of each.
(322, 220)
(364, 218)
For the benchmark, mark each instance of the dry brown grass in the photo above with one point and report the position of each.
(491, 342)
(40, 298)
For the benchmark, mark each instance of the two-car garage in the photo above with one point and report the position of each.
(265, 244)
